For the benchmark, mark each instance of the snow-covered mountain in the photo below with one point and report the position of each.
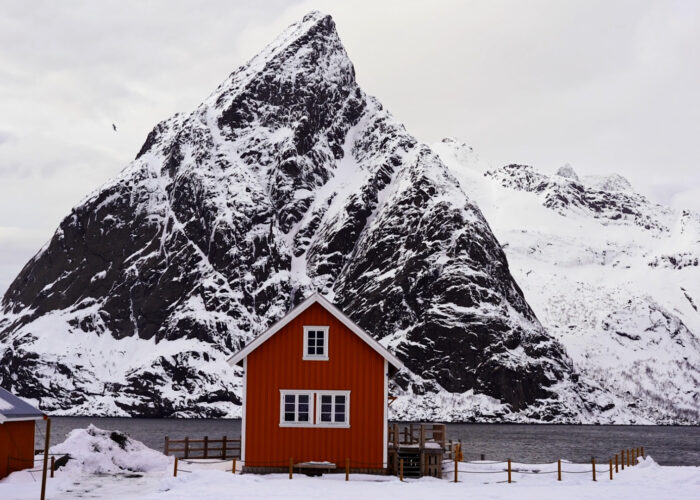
(288, 178)
(613, 276)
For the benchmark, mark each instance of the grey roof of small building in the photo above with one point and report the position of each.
(13, 408)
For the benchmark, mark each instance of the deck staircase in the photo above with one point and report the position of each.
(411, 461)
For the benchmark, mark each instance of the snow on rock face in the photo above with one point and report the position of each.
(608, 198)
(287, 179)
(96, 451)
(617, 284)
(568, 171)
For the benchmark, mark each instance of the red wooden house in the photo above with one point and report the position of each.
(315, 389)
(17, 420)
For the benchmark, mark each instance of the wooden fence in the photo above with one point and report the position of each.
(224, 448)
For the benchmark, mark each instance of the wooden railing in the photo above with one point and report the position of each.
(223, 448)
(418, 434)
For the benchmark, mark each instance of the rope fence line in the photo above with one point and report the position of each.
(631, 456)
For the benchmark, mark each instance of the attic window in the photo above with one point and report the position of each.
(316, 343)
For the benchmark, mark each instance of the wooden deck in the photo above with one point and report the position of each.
(421, 447)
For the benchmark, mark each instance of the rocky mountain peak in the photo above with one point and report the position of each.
(568, 171)
(287, 178)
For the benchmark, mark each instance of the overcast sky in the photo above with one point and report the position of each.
(609, 86)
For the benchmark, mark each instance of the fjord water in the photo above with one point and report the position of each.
(520, 442)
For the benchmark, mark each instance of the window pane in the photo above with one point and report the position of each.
(340, 400)
(303, 416)
(325, 417)
(339, 415)
(320, 340)
(303, 398)
(289, 417)
(289, 407)
(326, 400)
(289, 398)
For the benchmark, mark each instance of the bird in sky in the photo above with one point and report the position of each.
(114, 127)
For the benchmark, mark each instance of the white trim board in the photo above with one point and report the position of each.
(243, 405)
(385, 438)
(4, 419)
(313, 299)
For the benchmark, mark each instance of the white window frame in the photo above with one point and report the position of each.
(296, 423)
(315, 357)
(333, 423)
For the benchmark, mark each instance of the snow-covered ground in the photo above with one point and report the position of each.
(646, 481)
(105, 469)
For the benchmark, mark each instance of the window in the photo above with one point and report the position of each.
(296, 408)
(315, 343)
(333, 409)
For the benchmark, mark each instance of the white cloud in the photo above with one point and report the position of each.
(606, 86)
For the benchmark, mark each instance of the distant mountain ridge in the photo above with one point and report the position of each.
(613, 276)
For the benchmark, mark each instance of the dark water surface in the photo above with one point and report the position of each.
(522, 443)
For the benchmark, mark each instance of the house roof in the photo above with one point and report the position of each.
(13, 408)
(316, 298)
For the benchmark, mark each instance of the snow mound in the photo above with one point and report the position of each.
(647, 463)
(97, 451)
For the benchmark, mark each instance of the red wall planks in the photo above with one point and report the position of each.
(352, 366)
(16, 446)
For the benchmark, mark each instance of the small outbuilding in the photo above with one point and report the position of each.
(17, 420)
(315, 392)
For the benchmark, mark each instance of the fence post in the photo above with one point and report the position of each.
(628, 457)
(47, 446)
(175, 468)
(347, 469)
(559, 470)
(291, 467)
(456, 457)
(643, 455)
(167, 445)
(622, 459)
(509, 470)
(593, 464)
(611, 469)
(483, 457)
(223, 449)
(401, 469)
(206, 446)
(53, 461)
(616, 469)
(187, 447)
